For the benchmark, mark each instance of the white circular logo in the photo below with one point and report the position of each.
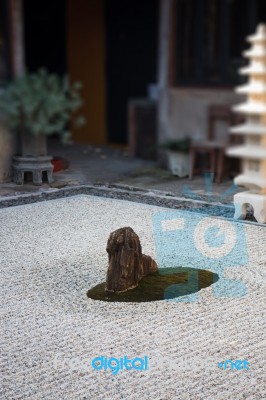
(224, 229)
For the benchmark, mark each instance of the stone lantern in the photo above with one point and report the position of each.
(253, 151)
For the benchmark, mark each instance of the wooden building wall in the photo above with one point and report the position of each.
(86, 49)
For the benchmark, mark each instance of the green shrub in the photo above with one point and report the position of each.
(41, 103)
(181, 145)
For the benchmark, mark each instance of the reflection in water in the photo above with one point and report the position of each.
(167, 283)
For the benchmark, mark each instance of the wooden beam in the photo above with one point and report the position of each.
(86, 63)
(16, 32)
(166, 63)
(172, 44)
(167, 42)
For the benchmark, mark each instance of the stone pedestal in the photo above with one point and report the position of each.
(33, 159)
(257, 201)
(36, 165)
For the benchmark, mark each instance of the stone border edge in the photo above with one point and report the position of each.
(128, 193)
(151, 197)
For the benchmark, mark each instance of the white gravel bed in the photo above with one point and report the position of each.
(52, 252)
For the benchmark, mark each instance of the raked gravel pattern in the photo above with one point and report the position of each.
(52, 252)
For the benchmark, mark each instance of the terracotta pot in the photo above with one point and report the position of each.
(60, 164)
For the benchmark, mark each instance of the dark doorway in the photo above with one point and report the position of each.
(45, 35)
(131, 58)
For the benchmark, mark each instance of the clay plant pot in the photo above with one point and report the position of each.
(60, 164)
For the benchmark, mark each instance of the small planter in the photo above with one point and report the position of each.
(178, 163)
(33, 145)
(37, 105)
(177, 152)
(7, 144)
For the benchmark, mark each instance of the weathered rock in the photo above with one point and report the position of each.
(148, 265)
(127, 264)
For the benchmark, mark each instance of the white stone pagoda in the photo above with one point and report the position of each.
(253, 151)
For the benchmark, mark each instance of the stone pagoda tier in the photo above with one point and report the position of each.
(253, 151)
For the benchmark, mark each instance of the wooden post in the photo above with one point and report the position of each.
(166, 62)
(15, 11)
(8, 141)
(86, 63)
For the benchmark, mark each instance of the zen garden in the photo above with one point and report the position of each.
(122, 278)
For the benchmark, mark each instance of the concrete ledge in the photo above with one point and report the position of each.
(122, 192)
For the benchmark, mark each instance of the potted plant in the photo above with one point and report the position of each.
(37, 105)
(177, 156)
